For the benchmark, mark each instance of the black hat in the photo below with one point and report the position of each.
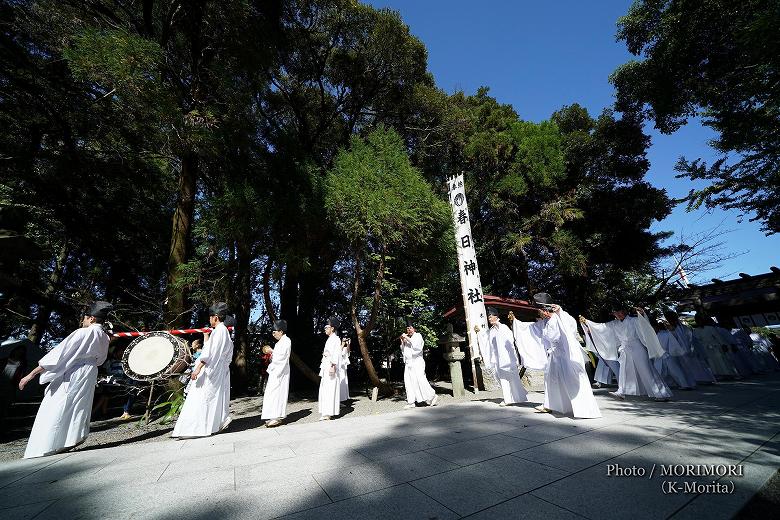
(543, 298)
(99, 309)
(616, 304)
(334, 322)
(219, 309)
(280, 325)
(230, 321)
(492, 311)
(409, 322)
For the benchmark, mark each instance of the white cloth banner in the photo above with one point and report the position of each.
(473, 298)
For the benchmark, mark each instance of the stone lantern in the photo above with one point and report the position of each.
(453, 355)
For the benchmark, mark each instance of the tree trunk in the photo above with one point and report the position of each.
(288, 300)
(269, 309)
(176, 310)
(242, 310)
(42, 318)
(364, 331)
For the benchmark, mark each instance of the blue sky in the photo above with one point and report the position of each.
(539, 56)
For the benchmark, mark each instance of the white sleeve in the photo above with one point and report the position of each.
(648, 336)
(417, 342)
(281, 355)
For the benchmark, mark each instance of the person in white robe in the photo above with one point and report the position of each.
(739, 357)
(608, 366)
(70, 369)
(206, 409)
(344, 385)
(747, 349)
(714, 347)
(637, 343)
(695, 358)
(566, 384)
(672, 370)
(329, 398)
(497, 348)
(418, 389)
(277, 388)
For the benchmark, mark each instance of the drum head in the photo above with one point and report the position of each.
(149, 356)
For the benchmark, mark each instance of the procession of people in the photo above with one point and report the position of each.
(642, 356)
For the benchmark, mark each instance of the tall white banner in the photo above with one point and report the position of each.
(471, 285)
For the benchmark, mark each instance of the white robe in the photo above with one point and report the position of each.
(277, 389)
(605, 370)
(670, 365)
(344, 386)
(207, 407)
(713, 344)
(532, 352)
(735, 353)
(763, 350)
(637, 374)
(745, 349)
(498, 353)
(566, 384)
(694, 359)
(607, 353)
(70, 368)
(329, 398)
(418, 389)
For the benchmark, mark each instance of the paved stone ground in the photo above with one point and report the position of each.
(301, 408)
(467, 458)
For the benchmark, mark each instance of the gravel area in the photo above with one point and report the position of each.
(301, 408)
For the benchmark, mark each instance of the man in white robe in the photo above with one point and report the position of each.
(70, 369)
(329, 398)
(566, 384)
(497, 348)
(277, 387)
(206, 409)
(637, 343)
(418, 390)
(695, 359)
(714, 346)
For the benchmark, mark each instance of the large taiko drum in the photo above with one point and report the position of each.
(153, 356)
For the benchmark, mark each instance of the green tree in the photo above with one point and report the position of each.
(383, 208)
(719, 59)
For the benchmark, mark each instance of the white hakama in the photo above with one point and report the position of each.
(329, 398)
(636, 338)
(206, 409)
(416, 384)
(277, 389)
(70, 368)
(497, 349)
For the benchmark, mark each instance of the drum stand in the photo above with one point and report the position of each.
(147, 416)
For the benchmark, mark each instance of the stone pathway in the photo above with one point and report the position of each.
(461, 459)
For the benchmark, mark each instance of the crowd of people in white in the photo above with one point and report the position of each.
(642, 356)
